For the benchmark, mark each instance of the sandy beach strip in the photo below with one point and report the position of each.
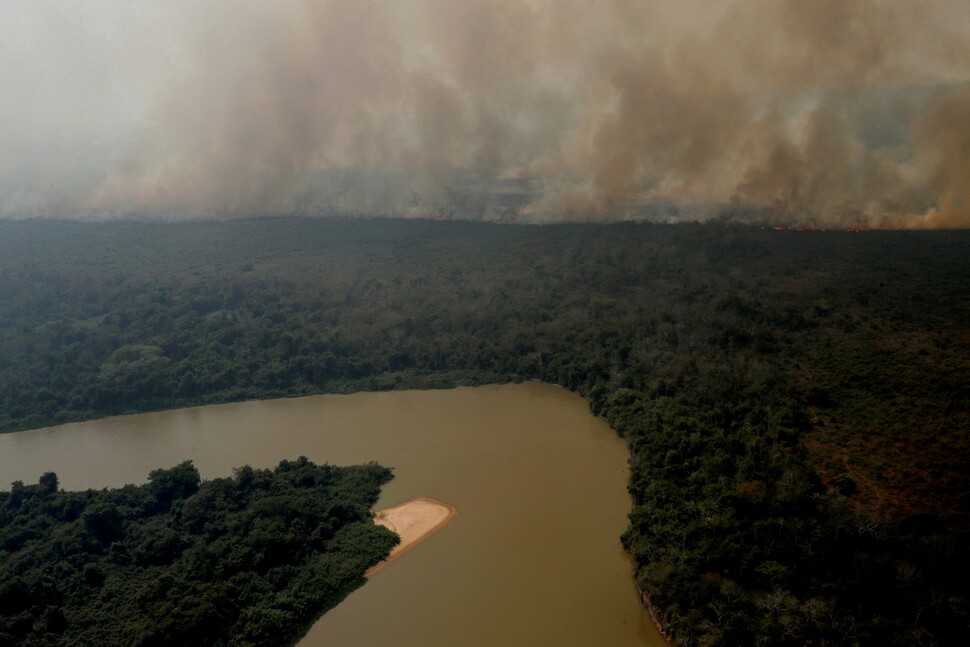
(414, 521)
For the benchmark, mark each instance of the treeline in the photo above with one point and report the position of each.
(794, 401)
(248, 560)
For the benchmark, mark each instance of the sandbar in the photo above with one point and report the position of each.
(414, 521)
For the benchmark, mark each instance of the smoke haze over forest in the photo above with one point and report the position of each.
(831, 112)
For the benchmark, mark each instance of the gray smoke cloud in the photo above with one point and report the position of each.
(830, 112)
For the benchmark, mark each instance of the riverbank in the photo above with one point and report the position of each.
(414, 521)
(516, 460)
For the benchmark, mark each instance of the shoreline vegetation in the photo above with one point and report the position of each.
(413, 521)
(249, 560)
(793, 401)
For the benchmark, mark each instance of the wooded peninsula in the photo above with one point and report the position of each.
(795, 402)
(248, 560)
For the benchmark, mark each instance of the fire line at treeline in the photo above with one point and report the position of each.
(854, 229)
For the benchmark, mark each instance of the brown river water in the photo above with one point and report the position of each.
(533, 557)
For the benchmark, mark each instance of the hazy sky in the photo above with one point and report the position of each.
(829, 111)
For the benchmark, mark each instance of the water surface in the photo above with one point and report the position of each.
(532, 558)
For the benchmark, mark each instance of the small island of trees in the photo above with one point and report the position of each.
(252, 559)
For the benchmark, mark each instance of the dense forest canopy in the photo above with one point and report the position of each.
(250, 559)
(794, 402)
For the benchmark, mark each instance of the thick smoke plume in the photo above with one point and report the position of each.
(831, 111)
